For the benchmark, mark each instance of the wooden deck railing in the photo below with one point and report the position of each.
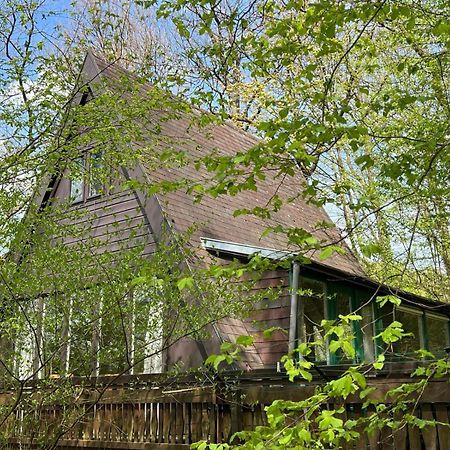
(147, 412)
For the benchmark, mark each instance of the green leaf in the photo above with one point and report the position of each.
(269, 331)
(379, 363)
(245, 340)
(360, 379)
(185, 283)
(138, 281)
(382, 300)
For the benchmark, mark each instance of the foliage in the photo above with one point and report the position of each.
(79, 295)
(321, 420)
(350, 101)
(353, 95)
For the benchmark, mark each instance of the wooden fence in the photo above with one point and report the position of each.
(146, 412)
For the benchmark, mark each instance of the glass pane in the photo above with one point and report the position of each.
(365, 348)
(77, 181)
(437, 330)
(95, 175)
(314, 312)
(340, 302)
(411, 324)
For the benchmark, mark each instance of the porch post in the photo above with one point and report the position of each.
(65, 339)
(38, 345)
(130, 338)
(96, 336)
(294, 310)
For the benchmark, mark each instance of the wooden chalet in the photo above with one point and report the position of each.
(141, 410)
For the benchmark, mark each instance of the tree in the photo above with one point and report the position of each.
(354, 96)
(342, 92)
(70, 304)
(121, 30)
(338, 92)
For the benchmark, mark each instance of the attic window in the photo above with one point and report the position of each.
(77, 181)
(95, 177)
(86, 179)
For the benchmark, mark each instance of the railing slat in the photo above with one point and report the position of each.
(442, 415)
(174, 414)
(428, 433)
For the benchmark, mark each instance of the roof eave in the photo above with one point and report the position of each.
(244, 250)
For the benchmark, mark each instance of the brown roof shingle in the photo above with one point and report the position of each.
(215, 215)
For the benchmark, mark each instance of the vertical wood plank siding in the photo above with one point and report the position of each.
(140, 414)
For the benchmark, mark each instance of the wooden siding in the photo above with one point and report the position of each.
(265, 352)
(108, 223)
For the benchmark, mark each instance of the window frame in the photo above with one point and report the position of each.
(80, 197)
(332, 314)
(85, 179)
(435, 316)
(300, 309)
(367, 348)
(419, 313)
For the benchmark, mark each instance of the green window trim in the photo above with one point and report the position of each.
(355, 304)
(332, 313)
(366, 347)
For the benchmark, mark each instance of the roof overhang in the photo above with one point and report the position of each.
(233, 248)
(244, 250)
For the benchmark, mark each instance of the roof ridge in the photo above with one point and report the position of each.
(116, 65)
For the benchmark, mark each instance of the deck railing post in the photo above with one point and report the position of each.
(236, 412)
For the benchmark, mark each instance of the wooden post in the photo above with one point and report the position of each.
(130, 338)
(65, 339)
(367, 333)
(153, 342)
(236, 412)
(38, 345)
(96, 336)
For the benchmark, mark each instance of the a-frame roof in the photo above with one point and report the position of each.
(214, 216)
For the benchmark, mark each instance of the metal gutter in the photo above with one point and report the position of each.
(233, 248)
(294, 302)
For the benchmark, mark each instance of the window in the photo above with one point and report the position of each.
(77, 181)
(411, 320)
(313, 301)
(95, 175)
(86, 177)
(437, 328)
(384, 317)
(318, 301)
(339, 303)
(328, 300)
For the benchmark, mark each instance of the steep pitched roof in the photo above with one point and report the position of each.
(215, 215)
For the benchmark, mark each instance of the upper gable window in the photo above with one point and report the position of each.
(86, 180)
(77, 181)
(95, 186)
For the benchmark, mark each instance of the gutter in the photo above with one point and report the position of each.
(294, 305)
